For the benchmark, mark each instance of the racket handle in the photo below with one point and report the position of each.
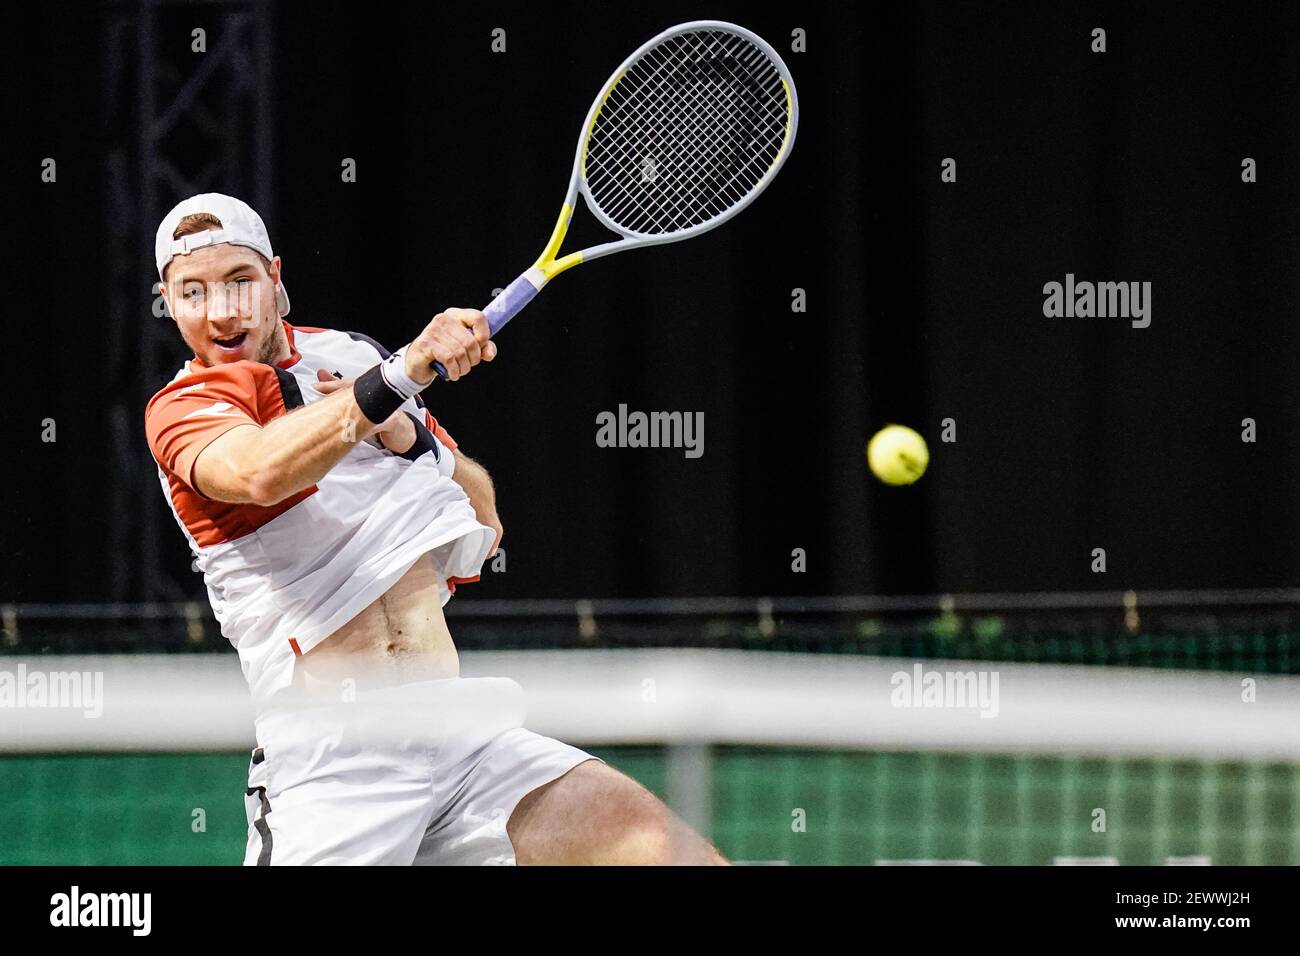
(507, 305)
(512, 299)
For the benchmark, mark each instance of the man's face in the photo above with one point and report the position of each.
(223, 301)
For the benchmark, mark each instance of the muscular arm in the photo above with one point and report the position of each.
(474, 478)
(265, 465)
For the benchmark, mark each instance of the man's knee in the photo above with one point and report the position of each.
(663, 840)
(596, 814)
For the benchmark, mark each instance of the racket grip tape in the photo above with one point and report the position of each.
(506, 306)
(512, 300)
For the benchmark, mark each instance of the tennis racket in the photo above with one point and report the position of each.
(685, 134)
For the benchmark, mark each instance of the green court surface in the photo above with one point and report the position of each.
(769, 805)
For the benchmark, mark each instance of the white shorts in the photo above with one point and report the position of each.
(425, 773)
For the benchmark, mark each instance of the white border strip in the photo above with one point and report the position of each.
(182, 702)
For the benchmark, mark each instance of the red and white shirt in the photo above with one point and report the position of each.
(283, 578)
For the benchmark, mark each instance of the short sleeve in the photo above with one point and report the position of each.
(197, 409)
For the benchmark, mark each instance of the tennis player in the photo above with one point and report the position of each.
(332, 518)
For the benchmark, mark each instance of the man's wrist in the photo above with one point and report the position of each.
(410, 374)
(376, 399)
(422, 441)
(400, 438)
(384, 388)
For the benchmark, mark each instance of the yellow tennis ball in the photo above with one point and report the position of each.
(897, 455)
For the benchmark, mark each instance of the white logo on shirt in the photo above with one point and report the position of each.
(216, 408)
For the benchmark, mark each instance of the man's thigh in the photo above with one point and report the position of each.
(477, 795)
(596, 815)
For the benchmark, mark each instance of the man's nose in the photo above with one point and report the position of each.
(221, 304)
(233, 301)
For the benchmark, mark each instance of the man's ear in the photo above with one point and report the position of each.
(167, 302)
(273, 270)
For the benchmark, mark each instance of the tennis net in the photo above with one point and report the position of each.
(947, 731)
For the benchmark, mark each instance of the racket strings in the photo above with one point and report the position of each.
(711, 107)
(727, 137)
(668, 179)
(700, 92)
(666, 182)
(665, 196)
(687, 133)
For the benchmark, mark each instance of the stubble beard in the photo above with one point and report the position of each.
(271, 346)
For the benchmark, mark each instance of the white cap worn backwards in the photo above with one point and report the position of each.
(240, 226)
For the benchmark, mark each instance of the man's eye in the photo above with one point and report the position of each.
(242, 281)
(193, 293)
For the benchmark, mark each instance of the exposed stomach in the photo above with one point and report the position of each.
(401, 637)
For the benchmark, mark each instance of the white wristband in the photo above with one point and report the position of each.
(393, 369)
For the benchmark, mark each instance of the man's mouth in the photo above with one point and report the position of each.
(231, 343)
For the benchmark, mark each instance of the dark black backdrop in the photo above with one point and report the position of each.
(924, 298)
